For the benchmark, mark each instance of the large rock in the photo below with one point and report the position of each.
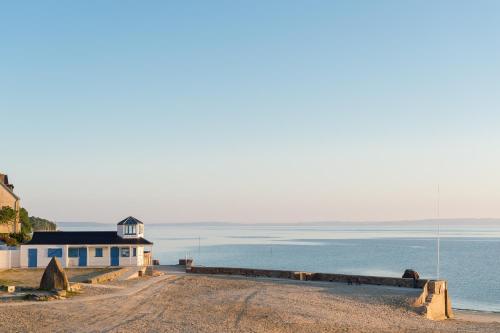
(54, 277)
(411, 274)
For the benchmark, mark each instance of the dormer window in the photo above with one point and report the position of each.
(130, 229)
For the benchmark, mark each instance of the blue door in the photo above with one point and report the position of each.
(115, 256)
(82, 257)
(32, 254)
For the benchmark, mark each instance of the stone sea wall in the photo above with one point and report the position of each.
(308, 276)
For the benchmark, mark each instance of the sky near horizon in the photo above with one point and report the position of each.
(256, 111)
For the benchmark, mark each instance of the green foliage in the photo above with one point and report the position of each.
(28, 225)
(39, 224)
(7, 215)
(8, 240)
(25, 222)
(20, 238)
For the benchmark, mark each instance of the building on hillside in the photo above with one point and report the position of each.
(9, 199)
(124, 247)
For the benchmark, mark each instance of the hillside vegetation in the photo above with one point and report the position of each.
(39, 224)
(29, 224)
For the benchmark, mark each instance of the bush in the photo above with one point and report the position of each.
(25, 221)
(20, 238)
(7, 215)
(8, 240)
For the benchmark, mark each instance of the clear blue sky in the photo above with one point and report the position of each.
(251, 111)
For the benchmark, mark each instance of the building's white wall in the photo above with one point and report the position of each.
(92, 261)
(15, 258)
(119, 230)
(23, 256)
(105, 260)
(4, 259)
(9, 259)
(131, 261)
(42, 259)
(140, 255)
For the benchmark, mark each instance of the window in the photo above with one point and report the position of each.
(73, 252)
(130, 230)
(134, 252)
(54, 253)
(98, 252)
(125, 252)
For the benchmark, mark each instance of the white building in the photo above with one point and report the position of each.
(124, 247)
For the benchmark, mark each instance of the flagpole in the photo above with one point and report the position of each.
(438, 231)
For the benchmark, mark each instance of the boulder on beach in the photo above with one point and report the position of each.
(411, 274)
(54, 277)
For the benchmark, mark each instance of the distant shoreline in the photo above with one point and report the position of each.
(421, 222)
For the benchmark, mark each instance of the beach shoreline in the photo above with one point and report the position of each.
(477, 315)
(179, 302)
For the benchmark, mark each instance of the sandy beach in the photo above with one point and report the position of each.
(187, 303)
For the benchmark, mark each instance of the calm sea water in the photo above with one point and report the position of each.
(470, 251)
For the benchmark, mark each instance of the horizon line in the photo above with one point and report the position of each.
(459, 219)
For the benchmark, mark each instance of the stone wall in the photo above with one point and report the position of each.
(111, 275)
(373, 280)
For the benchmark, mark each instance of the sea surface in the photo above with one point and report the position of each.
(469, 250)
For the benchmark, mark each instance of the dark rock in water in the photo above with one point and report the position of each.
(54, 277)
(411, 274)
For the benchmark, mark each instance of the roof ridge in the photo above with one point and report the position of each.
(84, 238)
(130, 220)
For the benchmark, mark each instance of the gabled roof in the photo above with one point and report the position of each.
(130, 220)
(83, 238)
(9, 190)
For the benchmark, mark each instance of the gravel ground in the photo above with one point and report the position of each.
(188, 303)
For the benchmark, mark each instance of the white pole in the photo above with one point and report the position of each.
(438, 232)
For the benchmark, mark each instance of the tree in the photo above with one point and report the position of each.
(7, 215)
(39, 224)
(25, 221)
(28, 225)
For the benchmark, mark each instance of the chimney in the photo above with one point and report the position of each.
(5, 179)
